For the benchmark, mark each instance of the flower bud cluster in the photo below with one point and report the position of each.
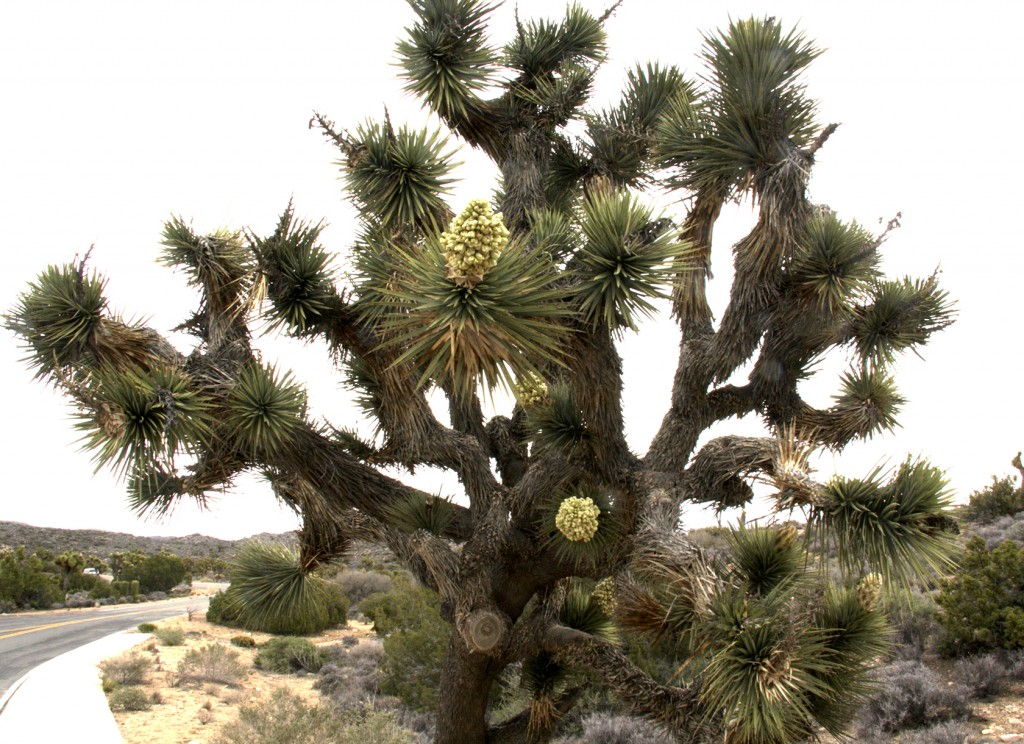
(531, 390)
(473, 242)
(577, 518)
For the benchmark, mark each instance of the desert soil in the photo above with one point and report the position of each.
(194, 715)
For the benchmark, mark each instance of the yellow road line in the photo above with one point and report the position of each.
(37, 628)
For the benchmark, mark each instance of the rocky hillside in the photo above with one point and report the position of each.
(103, 543)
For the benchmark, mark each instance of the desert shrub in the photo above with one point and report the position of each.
(914, 619)
(284, 655)
(406, 605)
(25, 580)
(243, 641)
(610, 728)
(211, 663)
(911, 695)
(127, 669)
(1000, 530)
(412, 665)
(129, 699)
(154, 572)
(358, 585)
(352, 676)
(146, 628)
(96, 586)
(983, 602)
(948, 732)
(1001, 498)
(170, 636)
(986, 675)
(416, 638)
(79, 599)
(284, 718)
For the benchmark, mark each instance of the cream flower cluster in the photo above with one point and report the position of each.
(531, 390)
(604, 595)
(473, 242)
(869, 591)
(577, 518)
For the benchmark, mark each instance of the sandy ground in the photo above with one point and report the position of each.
(187, 715)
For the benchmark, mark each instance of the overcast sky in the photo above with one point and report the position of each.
(118, 114)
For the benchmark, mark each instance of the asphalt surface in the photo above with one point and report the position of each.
(29, 639)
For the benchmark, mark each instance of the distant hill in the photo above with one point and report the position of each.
(101, 543)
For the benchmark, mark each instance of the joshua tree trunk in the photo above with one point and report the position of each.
(563, 540)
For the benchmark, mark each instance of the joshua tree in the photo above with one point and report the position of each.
(70, 562)
(531, 291)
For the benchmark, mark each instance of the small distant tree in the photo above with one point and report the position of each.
(1003, 497)
(532, 293)
(70, 563)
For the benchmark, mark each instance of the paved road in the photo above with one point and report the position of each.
(27, 640)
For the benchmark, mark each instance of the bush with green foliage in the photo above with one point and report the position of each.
(146, 628)
(27, 581)
(210, 663)
(154, 572)
(129, 699)
(983, 602)
(170, 636)
(285, 718)
(1002, 498)
(127, 669)
(286, 655)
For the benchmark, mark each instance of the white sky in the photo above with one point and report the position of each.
(118, 114)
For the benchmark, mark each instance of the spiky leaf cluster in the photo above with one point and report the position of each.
(766, 558)
(902, 314)
(558, 424)
(626, 261)
(553, 233)
(399, 177)
(59, 316)
(868, 402)
(136, 418)
(446, 57)
(834, 262)
(273, 592)
(502, 326)
(264, 408)
(414, 512)
(898, 528)
(297, 270)
(753, 107)
(219, 259)
(473, 242)
(542, 46)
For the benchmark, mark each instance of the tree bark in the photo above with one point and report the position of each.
(466, 681)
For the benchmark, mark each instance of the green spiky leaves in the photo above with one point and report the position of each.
(627, 260)
(834, 262)
(399, 177)
(275, 593)
(414, 512)
(219, 259)
(867, 403)
(265, 408)
(446, 57)
(134, 419)
(504, 325)
(544, 46)
(753, 107)
(899, 528)
(903, 314)
(558, 423)
(766, 558)
(58, 317)
(298, 274)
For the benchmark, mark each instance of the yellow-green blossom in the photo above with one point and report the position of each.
(531, 390)
(473, 242)
(604, 595)
(869, 591)
(577, 518)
